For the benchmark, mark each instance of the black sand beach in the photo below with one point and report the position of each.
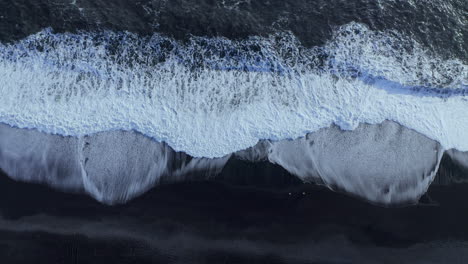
(231, 222)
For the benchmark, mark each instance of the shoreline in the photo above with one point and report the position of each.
(117, 166)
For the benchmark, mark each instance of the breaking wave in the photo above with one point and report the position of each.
(211, 96)
(111, 112)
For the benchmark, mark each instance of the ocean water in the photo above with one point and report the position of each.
(114, 99)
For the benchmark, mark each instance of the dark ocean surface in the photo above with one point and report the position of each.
(440, 25)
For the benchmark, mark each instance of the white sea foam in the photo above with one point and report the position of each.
(212, 97)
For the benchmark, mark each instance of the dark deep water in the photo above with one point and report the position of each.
(439, 25)
(233, 221)
(251, 212)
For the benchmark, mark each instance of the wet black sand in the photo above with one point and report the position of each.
(228, 221)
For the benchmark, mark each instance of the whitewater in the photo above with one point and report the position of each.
(212, 97)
